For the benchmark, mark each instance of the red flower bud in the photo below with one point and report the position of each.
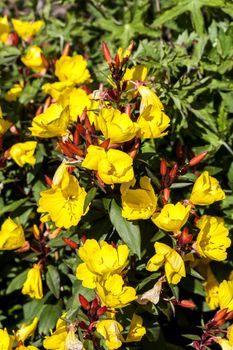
(166, 193)
(13, 39)
(70, 243)
(163, 167)
(44, 60)
(76, 136)
(105, 144)
(94, 305)
(106, 53)
(220, 314)
(83, 238)
(117, 61)
(187, 303)
(101, 311)
(82, 325)
(66, 50)
(84, 302)
(229, 316)
(48, 180)
(180, 152)
(173, 172)
(197, 159)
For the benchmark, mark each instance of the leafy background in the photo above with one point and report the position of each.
(188, 48)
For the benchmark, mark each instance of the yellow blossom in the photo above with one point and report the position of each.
(230, 335)
(11, 235)
(33, 284)
(206, 190)
(116, 126)
(27, 29)
(32, 59)
(64, 201)
(172, 217)
(136, 330)
(56, 341)
(224, 343)
(23, 153)
(211, 288)
(6, 340)
(113, 293)
(4, 29)
(172, 261)
(77, 100)
(149, 98)
(100, 261)
(4, 124)
(73, 69)
(29, 347)
(57, 89)
(138, 203)
(135, 73)
(14, 92)
(26, 331)
(113, 166)
(111, 331)
(212, 240)
(225, 293)
(54, 122)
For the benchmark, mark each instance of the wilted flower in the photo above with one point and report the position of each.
(225, 294)
(56, 341)
(100, 260)
(33, 284)
(23, 153)
(14, 92)
(72, 342)
(6, 340)
(54, 122)
(113, 293)
(212, 240)
(136, 330)
(172, 217)
(73, 69)
(172, 261)
(111, 331)
(206, 190)
(11, 235)
(27, 29)
(113, 166)
(4, 29)
(116, 126)
(138, 203)
(149, 98)
(64, 202)
(26, 331)
(32, 59)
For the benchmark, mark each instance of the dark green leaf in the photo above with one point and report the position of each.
(53, 280)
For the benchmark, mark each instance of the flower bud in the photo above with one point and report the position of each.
(173, 172)
(197, 159)
(70, 243)
(48, 180)
(220, 314)
(187, 303)
(101, 311)
(163, 167)
(84, 302)
(106, 53)
(66, 50)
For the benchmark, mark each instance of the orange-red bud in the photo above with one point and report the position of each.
(229, 316)
(180, 152)
(105, 144)
(166, 194)
(44, 60)
(197, 159)
(48, 180)
(163, 167)
(117, 61)
(173, 172)
(220, 315)
(66, 50)
(70, 243)
(187, 303)
(13, 39)
(101, 311)
(83, 238)
(106, 53)
(84, 302)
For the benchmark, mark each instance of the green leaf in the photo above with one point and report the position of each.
(49, 317)
(17, 282)
(128, 231)
(53, 280)
(191, 336)
(90, 196)
(12, 206)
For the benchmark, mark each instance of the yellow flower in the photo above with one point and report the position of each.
(225, 294)
(77, 100)
(56, 341)
(136, 330)
(149, 98)
(113, 166)
(64, 202)
(211, 288)
(14, 92)
(135, 73)
(29, 347)
(11, 235)
(27, 29)
(224, 343)
(33, 284)
(111, 331)
(100, 260)
(26, 331)
(138, 203)
(172, 261)
(230, 335)
(73, 69)
(206, 190)
(57, 89)
(172, 217)
(6, 340)
(23, 153)
(32, 59)
(113, 293)
(4, 29)
(116, 126)
(212, 240)
(54, 122)
(4, 124)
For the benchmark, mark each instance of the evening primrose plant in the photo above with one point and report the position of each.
(110, 228)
